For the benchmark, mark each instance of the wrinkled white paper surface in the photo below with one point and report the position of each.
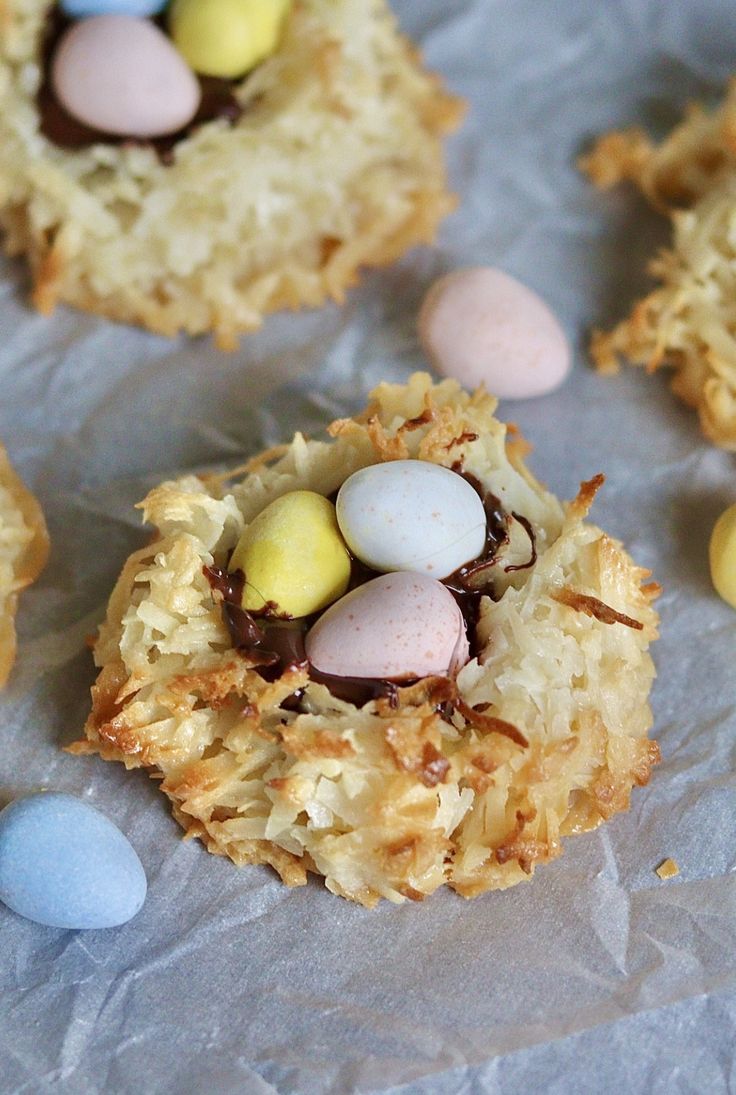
(228, 982)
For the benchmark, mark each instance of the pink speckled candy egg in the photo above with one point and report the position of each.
(481, 326)
(396, 627)
(121, 75)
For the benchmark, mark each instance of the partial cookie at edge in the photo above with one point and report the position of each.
(335, 164)
(688, 322)
(24, 548)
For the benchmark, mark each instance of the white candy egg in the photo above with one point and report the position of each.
(411, 515)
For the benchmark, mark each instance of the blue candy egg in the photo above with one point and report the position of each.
(64, 864)
(83, 9)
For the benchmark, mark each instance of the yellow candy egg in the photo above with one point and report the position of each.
(226, 38)
(292, 554)
(723, 555)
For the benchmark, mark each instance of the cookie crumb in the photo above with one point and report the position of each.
(667, 869)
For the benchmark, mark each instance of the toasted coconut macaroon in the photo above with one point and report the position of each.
(24, 548)
(469, 779)
(335, 162)
(688, 323)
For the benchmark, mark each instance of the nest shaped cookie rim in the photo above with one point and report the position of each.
(437, 771)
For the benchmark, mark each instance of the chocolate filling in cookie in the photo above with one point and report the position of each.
(274, 644)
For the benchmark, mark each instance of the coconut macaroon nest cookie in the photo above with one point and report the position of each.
(688, 322)
(24, 548)
(392, 658)
(324, 157)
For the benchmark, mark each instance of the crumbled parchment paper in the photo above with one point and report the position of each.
(597, 976)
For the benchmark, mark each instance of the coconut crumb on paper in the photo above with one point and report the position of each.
(667, 869)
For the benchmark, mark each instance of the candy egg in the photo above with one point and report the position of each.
(481, 326)
(723, 556)
(64, 864)
(226, 38)
(83, 9)
(293, 556)
(411, 515)
(396, 627)
(122, 76)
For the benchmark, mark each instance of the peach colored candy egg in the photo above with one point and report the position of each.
(121, 75)
(396, 626)
(481, 326)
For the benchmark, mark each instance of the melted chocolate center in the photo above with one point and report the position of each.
(460, 583)
(218, 101)
(275, 645)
